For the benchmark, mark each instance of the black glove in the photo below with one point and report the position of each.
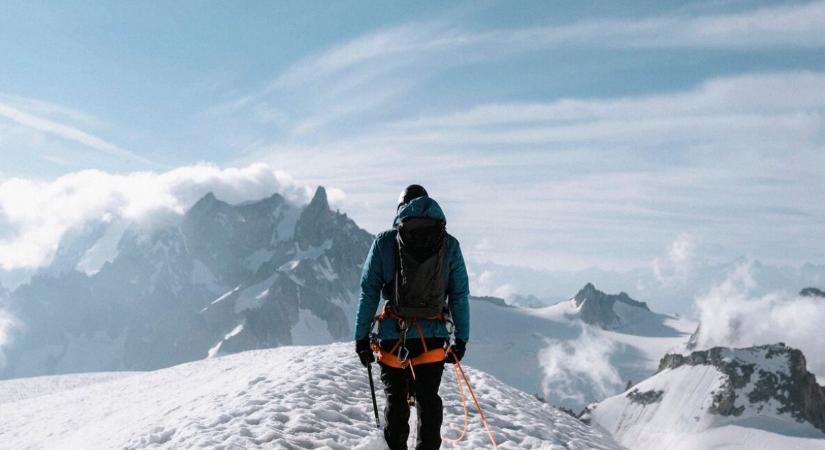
(458, 349)
(362, 348)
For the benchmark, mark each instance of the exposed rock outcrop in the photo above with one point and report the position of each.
(757, 377)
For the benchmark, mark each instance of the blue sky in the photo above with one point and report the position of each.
(558, 135)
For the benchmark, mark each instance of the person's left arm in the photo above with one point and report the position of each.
(458, 291)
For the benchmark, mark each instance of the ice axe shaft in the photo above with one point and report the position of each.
(374, 403)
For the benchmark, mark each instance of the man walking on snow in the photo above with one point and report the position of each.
(420, 271)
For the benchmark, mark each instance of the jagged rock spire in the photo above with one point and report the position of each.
(319, 200)
(313, 226)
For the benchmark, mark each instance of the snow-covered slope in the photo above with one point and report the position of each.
(753, 398)
(284, 398)
(556, 353)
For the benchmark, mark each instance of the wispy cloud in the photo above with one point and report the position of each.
(367, 73)
(40, 124)
(720, 161)
(566, 177)
(748, 96)
(785, 26)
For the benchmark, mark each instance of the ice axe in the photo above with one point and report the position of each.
(374, 403)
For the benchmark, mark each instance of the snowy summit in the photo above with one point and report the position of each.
(283, 398)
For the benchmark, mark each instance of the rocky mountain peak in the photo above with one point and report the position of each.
(599, 308)
(206, 200)
(812, 292)
(315, 225)
(757, 378)
(206, 206)
(319, 200)
(588, 291)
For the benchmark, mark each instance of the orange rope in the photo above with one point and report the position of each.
(464, 404)
(475, 400)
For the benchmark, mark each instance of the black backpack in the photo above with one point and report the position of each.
(419, 288)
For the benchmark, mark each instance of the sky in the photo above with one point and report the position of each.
(556, 135)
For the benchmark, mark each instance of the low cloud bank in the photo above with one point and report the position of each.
(34, 215)
(580, 371)
(731, 315)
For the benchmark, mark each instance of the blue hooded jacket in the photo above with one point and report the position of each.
(379, 269)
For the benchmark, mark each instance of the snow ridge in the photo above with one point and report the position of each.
(283, 398)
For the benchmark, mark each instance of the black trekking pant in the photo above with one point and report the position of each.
(398, 383)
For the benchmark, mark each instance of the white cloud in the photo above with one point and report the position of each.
(571, 182)
(734, 153)
(732, 316)
(730, 109)
(34, 215)
(39, 124)
(679, 263)
(7, 324)
(487, 283)
(365, 74)
(785, 26)
(56, 112)
(580, 370)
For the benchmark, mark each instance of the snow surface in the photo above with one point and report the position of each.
(24, 388)
(681, 420)
(283, 398)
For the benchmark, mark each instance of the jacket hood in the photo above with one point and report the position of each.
(420, 207)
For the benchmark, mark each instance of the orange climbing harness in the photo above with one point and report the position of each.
(398, 357)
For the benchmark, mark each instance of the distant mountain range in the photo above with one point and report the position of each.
(225, 278)
(221, 278)
(536, 288)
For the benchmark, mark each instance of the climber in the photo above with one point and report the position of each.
(419, 269)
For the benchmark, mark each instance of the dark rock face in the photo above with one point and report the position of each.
(239, 276)
(646, 397)
(791, 386)
(598, 308)
(812, 292)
